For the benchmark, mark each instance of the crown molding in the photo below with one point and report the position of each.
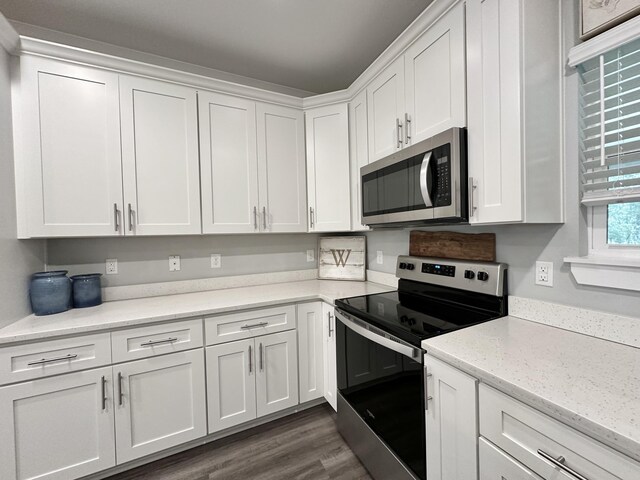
(614, 38)
(9, 38)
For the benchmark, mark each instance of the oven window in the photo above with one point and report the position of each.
(386, 389)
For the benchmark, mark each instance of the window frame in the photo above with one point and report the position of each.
(598, 244)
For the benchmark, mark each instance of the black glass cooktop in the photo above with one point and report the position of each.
(414, 316)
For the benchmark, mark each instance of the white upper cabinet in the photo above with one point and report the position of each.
(228, 164)
(435, 79)
(67, 146)
(328, 168)
(281, 168)
(159, 157)
(385, 101)
(359, 153)
(514, 102)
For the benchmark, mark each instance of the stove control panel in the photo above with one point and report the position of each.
(439, 269)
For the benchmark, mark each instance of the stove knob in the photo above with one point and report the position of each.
(403, 318)
(410, 266)
(470, 274)
(412, 321)
(402, 266)
(483, 276)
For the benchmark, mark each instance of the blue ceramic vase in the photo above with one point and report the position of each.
(50, 292)
(86, 290)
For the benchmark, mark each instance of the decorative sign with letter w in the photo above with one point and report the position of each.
(342, 258)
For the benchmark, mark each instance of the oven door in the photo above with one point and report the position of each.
(381, 378)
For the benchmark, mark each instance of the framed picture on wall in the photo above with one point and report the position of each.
(596, 16)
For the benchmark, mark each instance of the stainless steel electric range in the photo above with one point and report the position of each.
(381, 393)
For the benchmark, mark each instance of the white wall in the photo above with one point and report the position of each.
(18, 258)
(521, 245)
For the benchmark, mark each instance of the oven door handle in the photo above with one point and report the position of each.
(424, 180)
(386, 341)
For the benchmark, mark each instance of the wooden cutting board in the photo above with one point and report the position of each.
(461, 246)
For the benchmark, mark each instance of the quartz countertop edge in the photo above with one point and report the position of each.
(576, 386)
(141, 311)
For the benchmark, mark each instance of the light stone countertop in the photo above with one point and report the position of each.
(127, 313)
(590, 384)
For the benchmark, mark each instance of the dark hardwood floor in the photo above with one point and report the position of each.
(304, 446)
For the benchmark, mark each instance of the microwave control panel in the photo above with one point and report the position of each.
(442, 176)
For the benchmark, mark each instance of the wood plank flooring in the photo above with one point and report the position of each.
(303, 446)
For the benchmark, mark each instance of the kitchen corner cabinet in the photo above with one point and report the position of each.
(57, 427)
(451, 422)
(329, 355)
(328, 183)
(423, 91)
(311, 350)
(514, 111)
(359, 154)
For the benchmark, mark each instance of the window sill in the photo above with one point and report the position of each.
(611, 272)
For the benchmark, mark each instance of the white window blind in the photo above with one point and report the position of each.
(610, 126)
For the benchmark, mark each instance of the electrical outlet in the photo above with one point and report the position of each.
(174, 263)
(379, 257)
(111, 266)
(381, 309)
(216, 260)
(544, 274)
(310, 255)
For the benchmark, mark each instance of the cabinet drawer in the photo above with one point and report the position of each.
(152, 340)
(522, 432)
(497, 465)
(238, 326)
(53, 357)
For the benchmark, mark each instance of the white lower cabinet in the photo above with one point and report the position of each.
(451, 422)
(329, 355)
(159, 403)
(497, 465)
(251, 378)
(58, 427)
(311, 350)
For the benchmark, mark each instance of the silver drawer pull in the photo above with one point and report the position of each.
(559, 462)
(254, 325)
(151, 343)
(56, 359)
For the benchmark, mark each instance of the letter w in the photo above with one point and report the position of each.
(339, 256)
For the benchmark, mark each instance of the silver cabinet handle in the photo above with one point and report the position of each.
(472, 188)
(255, 218)
(329, 318)
(120, 392)
(399, 133)
(250, 365)
(116, 216)
(254, 325)
(559, 462)
(104, 393)
(407, 128)
(151, 343)
(427, 398)
(130, 213)
(261, 357)
(424, 181)
(311, 216)
(264, 217)
(43, 361)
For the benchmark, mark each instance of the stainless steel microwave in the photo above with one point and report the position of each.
(423, 183)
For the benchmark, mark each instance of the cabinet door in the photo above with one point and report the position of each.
(277, 377)
(452, 425)
(494, 109)
(310, 351)
(385, 102)
(281, 167)
(231, 384)
(229, 164)
(160, 157)
(328, 168)
(160, 403)
(359, 153)
(435, 79)
(497, 465)
(68, 164)
(330, 373)
(58, 427)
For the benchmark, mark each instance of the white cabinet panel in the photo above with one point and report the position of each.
(330, 371)
(231, 385)
(451, 423)
(281, 166)
(68, 150)
(385, 102)
(310, 350)
(497, 465)
(238, 326)
(57, 428)
(160, 403)
(229, 164)
(435, 79)
(359, 151)
(277, 373)
(160, 157)
(328, 168)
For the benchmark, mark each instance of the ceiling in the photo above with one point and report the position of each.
(313, 45)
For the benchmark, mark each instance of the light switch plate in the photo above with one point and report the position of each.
(310, 255)
(111, 266)
(544, 274)
(216, 260)
(174, 263)
(379, 257)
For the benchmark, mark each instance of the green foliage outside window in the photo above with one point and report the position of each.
(624, 224)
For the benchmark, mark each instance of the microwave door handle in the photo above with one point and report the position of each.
(424, 184)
